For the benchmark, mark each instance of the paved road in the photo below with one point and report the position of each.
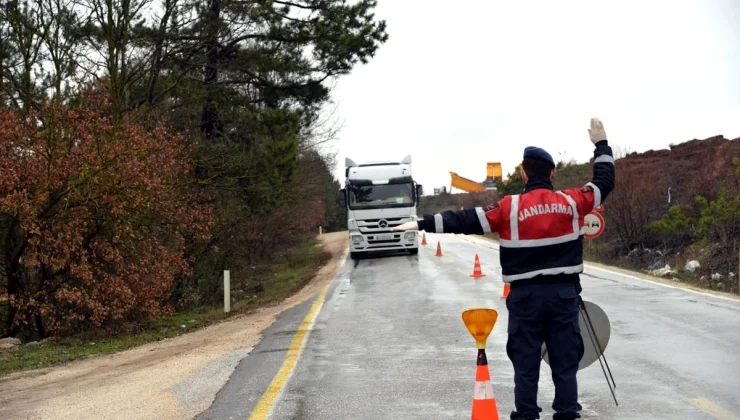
(389, 343)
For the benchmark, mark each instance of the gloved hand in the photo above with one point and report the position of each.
(596, 132)
(406, 226)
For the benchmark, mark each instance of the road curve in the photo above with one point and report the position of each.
(388, 343)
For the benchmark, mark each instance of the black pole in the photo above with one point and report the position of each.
(598, 351)
(588, 318)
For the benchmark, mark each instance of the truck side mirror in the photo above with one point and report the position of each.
(342, 197)
(419, 193)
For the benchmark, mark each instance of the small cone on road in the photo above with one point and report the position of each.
(507, 288)
(484, 400)
(423, 238)
(439, 250)
(476, 269)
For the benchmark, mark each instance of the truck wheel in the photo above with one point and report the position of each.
(414, 251)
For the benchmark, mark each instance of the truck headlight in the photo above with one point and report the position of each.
(356, 238)
(409, 235)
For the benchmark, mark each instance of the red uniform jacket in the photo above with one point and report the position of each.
(541, 230)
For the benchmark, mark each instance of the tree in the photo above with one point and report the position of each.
(634, 203)
(258, 76)
(97, 216)
(20, 50)
(514, 184)
(676, 228)
(39, 53)
(719, 220)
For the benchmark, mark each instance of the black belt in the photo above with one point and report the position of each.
(551, 279)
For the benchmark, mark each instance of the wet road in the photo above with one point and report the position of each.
(389, 343)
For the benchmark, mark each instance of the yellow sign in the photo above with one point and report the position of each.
(480, 322)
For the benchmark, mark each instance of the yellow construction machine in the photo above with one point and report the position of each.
(494, 177)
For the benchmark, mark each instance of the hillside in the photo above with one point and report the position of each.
(683, 202)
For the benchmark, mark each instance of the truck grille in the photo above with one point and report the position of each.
(371, 225)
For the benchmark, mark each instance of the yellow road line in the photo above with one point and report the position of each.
(712, 409)
(268, 399)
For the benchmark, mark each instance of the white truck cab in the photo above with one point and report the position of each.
(379, 196)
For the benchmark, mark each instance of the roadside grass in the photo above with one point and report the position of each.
(287, 276)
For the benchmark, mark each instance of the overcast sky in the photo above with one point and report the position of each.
(462, 83)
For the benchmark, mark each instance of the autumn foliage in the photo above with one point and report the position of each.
(96, 213)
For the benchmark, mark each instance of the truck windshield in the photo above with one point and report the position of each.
(381, 196)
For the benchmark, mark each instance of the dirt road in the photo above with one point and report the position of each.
(171, 379)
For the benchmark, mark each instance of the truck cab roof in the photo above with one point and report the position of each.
(349, 163)
(379, 172)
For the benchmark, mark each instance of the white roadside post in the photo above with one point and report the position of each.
(227, 291)
(320, 231)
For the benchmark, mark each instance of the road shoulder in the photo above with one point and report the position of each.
(259, 379)
(170, 379)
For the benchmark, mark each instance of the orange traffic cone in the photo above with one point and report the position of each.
(484, 401)
(423, 238)
(505, 294)
(439, 250)
(476, 269)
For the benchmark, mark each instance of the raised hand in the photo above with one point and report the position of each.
(596, 132)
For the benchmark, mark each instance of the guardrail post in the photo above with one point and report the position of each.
(227, 291)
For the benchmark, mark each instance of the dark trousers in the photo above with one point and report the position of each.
(544, 313)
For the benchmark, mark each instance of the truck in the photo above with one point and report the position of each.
(493, 180)
(379, 196)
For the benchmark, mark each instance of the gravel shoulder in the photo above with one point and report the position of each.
(170, 379)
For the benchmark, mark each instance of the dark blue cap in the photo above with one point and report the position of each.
(539, 154)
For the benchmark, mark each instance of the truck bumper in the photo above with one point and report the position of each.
(394, 241)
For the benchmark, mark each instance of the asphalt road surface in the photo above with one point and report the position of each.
(387, 342)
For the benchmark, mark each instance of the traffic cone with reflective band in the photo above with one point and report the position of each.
(476, 269)
(439, 250)
(507, 288)
(484, 401)
(423, 238)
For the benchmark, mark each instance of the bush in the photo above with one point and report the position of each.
(676, 228)
(96, 214)
(720, 219)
